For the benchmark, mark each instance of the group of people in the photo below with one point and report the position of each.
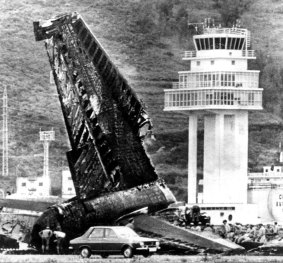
(46, 235)
(239, 233)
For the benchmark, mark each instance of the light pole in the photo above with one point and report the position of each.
(46, 137)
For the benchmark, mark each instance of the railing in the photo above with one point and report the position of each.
(190, 54)
(235, 31)
(248, 53)
(256, 175)
(266, 175)
(192, 80)
(218, 98)
(245, 54)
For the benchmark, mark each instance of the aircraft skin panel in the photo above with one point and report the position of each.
(103, 115)
(159, 227)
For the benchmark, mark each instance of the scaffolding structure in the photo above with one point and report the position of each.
(46, 137)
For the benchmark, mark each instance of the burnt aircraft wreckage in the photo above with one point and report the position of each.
(106, 124)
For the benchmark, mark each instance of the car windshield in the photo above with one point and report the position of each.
(126, 232)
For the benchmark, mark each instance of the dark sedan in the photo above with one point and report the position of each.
(113, 240)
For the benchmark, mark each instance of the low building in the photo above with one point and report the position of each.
(33, 186)
(68, 189)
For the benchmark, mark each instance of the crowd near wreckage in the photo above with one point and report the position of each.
(106, 124)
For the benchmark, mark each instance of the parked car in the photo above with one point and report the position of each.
(106, 240)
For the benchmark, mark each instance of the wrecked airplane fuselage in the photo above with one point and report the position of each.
(106, 123)
(75, 217)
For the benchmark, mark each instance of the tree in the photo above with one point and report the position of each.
(182, 22)
(165, 11)
(231, 10)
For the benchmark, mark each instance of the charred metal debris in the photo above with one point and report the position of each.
(105, 120)
(106, 124)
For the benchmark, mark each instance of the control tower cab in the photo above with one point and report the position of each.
(220, 90)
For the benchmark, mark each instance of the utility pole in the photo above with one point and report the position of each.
(5, 171)
(46, 137)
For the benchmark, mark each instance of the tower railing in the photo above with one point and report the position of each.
(208, 98)
(244, 54)
(190, 54)
(233, 30)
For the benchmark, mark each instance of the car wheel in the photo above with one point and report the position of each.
(85, 252)
(104, 255)
(127, 252)
(146, 254)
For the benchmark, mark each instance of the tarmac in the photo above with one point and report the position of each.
(140, 259)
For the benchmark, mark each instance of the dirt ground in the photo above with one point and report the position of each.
(139, 259)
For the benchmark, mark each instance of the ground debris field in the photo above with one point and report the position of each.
(137, 259)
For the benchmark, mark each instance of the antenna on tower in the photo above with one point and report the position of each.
(5, 171)
(199, 27)
(238, 23)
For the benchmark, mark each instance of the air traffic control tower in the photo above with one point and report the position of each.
(221, 90)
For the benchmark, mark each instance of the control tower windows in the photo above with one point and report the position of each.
(198, 44)
(229, 43)
(208, 43)
(220, 42)
(217, 43)
(204, 43)
(235, 43)
(242, 43)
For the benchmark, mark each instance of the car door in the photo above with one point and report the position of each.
(111, 241)
(95, 239)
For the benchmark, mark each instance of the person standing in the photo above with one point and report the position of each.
(275, 228)
(261, 234)
(60, 236)
(45, 235)
(225, 229)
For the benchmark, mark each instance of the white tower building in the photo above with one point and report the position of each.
(220, 90)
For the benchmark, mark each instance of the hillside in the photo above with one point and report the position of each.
(145, 40)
